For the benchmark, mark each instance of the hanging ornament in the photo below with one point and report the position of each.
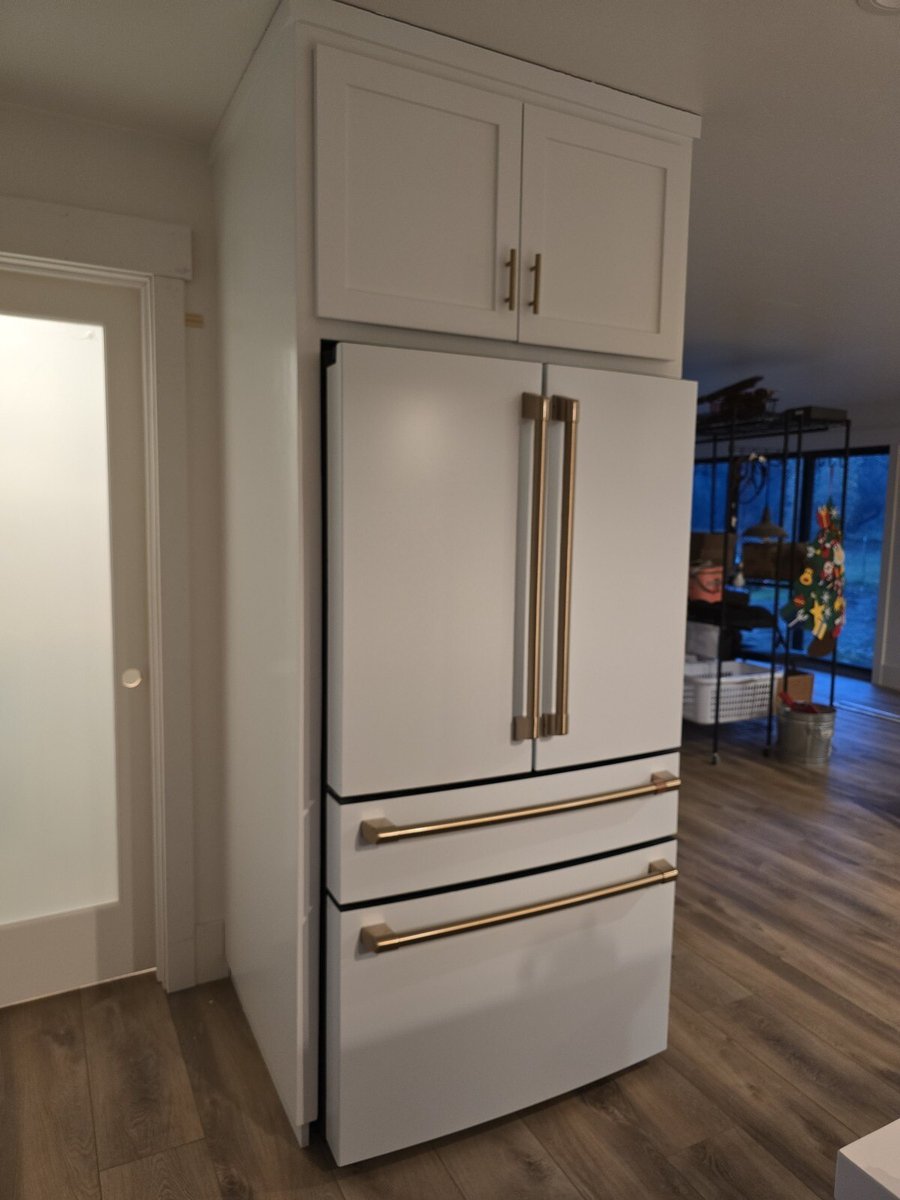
(817, 598)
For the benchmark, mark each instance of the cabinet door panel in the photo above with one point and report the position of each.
(426, 524)
(607, 211)
(417, 197)
(629, 564)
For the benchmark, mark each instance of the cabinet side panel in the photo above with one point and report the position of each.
(263, 603)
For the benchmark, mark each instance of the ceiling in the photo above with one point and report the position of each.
(794, 266)
(163, 66)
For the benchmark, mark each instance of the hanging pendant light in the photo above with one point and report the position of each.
(765, 530)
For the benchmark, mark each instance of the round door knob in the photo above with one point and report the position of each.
(131, 677)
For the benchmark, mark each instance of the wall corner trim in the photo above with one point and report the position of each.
(90, 238)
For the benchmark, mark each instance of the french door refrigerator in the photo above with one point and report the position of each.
(506, 555)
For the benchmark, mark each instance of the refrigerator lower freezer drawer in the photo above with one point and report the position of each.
(445, 1032)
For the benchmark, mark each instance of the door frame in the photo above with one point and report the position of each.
(154, 258)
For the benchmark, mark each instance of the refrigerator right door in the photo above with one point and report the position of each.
(633, 464)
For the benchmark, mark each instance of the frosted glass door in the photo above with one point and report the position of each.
(75, 877)
(57, 744)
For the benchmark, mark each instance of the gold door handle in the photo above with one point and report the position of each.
(512, 263)
(376, 939)
(378, 831)
(535, 302)
(537, 409)
(565, 410)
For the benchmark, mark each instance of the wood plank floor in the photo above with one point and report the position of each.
(784, 1040)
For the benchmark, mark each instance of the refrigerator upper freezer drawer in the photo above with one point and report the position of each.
(425, 841)
(449, 1031)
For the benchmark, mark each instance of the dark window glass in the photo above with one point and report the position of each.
(863, 530)
(821, 478)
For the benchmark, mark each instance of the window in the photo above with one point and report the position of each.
(820, 478)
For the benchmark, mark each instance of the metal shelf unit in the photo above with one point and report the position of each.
(792, 428)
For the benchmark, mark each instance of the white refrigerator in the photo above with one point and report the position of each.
(506, 556)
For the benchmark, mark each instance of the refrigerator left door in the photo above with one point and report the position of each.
(429, 518)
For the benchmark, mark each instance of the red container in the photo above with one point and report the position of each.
(705, 583)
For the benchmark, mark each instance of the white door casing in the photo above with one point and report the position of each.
(154, 258)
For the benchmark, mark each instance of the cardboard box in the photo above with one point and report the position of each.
(709, 547)
(761, 560)
(799, 686)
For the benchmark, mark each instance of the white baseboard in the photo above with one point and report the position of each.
(210, 953)
(181, 973)
(886, 677)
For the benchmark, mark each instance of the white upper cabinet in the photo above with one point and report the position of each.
(421, 184)
(417, 187)
(604, 237)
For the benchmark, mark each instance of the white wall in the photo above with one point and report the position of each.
(65, 161)
(879, 425)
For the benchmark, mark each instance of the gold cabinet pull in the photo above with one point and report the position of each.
(378, 831)
(537, 409)
(512, 263)
(535, 302)
(556, 724)
(376, 939)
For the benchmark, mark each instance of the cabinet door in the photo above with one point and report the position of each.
(426, 526)
(634, 469)
(606, 211)
(417, 183)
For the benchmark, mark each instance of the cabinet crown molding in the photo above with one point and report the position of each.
(493, 69)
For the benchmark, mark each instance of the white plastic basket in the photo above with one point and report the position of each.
(745, 692)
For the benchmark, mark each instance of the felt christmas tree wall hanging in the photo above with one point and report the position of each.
(817, 598)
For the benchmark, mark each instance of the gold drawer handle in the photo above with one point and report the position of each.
(376, 939)
(378, 830)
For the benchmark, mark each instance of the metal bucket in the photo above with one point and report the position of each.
(806, 737)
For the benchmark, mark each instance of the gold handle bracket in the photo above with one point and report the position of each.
(376, 939)
(512, 264)
(535, 408)
(535, 302)
(379, 831)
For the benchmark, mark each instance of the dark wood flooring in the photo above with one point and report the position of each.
(784, 1040)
